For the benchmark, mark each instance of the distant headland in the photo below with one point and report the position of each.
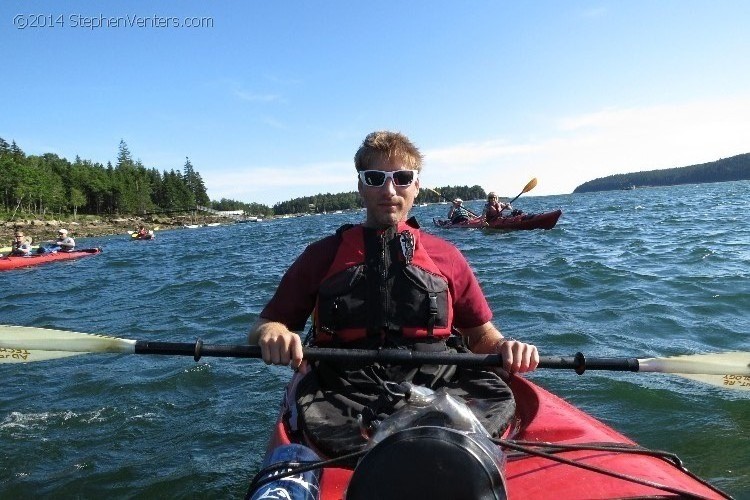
(735, 168)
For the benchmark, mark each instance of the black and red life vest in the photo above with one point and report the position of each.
(382, 282)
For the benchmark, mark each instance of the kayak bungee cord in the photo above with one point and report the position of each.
(668, 457)
(601, 446)
(526, 447)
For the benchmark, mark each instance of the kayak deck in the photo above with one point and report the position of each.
(543, 418)
(546, 220)
(13, 262)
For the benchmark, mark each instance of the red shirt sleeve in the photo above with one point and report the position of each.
(470, 307)
(295, 297)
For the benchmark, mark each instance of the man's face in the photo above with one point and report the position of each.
(388, 204)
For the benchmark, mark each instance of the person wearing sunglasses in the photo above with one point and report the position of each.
(494, 208)
(383, 283)
(21, 246)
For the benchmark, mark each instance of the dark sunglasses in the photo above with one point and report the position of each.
(376, 178)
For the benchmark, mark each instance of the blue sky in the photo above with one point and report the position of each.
(272, 99)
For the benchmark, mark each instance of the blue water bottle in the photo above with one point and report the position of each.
(304, 486)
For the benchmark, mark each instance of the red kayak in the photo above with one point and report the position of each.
(557, 451)
(7, 263)
(545, 220)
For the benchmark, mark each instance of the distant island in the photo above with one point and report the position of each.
(735, 168)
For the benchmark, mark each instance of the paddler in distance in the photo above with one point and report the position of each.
(63, 243)
(21, 246)
(494, 208)
(458, 213)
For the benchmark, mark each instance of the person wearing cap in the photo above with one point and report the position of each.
(21, 246)
(63, 243)
(458, 213)
(493, 208)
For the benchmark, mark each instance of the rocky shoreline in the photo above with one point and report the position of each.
(87, 227)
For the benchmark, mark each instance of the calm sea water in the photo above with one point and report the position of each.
(649, 272)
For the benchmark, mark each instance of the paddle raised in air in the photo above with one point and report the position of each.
(528, 187)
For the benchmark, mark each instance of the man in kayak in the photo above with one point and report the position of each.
(384, 284)
(142, 232)
(21, 247)
(63, 243)
(493, 208)
(458, 213)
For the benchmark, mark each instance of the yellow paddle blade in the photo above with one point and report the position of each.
(440, 195)
(24, 344)
(528, 187)
(531, 185)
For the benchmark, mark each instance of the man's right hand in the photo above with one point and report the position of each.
(278, 345)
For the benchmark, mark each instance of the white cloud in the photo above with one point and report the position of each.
(598, 144)
(577, 149)
(268, 184)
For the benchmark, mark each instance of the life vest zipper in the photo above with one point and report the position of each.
(385, 264)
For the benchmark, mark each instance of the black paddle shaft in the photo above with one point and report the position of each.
(579, 362)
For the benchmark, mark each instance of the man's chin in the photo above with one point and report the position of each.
(385, 220)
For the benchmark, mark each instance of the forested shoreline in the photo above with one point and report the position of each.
(350, 201)
(48, 186)
(734, 168)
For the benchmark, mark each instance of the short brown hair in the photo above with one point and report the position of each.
(385, 144)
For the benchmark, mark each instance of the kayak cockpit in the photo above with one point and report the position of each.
(554, 451)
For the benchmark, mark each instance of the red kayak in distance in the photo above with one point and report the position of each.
(13, 262)
(554, 450)
(545, 220)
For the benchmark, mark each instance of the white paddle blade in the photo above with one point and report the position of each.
(9, 356)
(44, 339)
(722, 363)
